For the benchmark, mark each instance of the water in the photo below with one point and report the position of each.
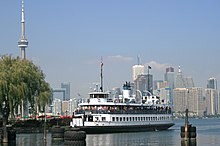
(208, 132)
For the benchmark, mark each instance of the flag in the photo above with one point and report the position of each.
(101, 64)
(149, 67)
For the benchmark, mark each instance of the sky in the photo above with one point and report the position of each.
(68, 38)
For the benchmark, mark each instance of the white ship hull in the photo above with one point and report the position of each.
(108, 123)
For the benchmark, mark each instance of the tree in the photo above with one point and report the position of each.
(21, 82)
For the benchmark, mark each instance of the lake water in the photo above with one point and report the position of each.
(208, 133)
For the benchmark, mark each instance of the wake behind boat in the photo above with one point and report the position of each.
(102, 114)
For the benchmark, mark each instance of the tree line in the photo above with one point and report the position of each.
(21, 83)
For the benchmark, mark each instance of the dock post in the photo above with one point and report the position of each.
(187, 132)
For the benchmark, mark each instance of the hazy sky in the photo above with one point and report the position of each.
(68, 37)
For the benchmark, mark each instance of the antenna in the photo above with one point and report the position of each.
(138, 59)
(179, 69)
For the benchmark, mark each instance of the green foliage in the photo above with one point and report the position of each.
(21, 81)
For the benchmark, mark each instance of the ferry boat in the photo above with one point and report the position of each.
(102, 114)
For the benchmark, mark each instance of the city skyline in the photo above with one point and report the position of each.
(67, 39)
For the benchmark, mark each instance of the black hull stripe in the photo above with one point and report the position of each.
(118, 129)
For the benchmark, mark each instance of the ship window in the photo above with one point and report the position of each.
(141, 118)
(127, 119)
(123, 118)
(130, 118)
(113, 119)
(135, 118)
(120, 118)
(96, 118)
(116, 118)
(138, 118)
(90, 118)
(144, 119)
(103, 118)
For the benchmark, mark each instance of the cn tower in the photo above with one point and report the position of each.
(22, 43)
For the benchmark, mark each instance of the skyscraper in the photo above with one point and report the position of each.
(144, 83)
(196, 101)
(212, 97)
(23, 43)
(66, 86)
(180, 101)
(211, 101)
(164, 95)
(180, 82)
(140, 83)
(169, 77)
(189, 82)
(57, 107)
(212, 83)
(137, 70)
(191, 98)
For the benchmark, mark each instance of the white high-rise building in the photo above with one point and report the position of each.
(57, 107)
(180, 102)
(72, 105)
(190, 98)
(211, 101)
(164, 95)
(212, 97)
(137, 70)
(196, 101)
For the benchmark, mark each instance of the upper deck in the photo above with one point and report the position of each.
(105, 106)
(101, 103)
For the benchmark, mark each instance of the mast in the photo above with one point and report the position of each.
(101, 76)
(148, 78)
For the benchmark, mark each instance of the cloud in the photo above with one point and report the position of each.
(157, 66)
(120, 58)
